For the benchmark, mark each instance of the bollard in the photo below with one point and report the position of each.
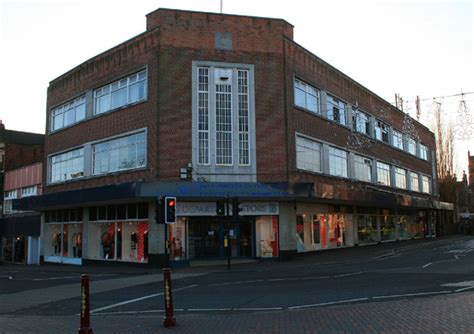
(85, 308)
(169, 320)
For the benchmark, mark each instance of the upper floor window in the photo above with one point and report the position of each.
(119, 154)
(336, 110)
(423, 152)
(383, 173)
(400, 178)
(362, 168)
(308, 154)
(68, 113)
(414, 182)
(120, 93)
(397, 139)
(66, 166)
(425, 183)
(411, 146)
(10, 194)
(307, 96)
(28, 191)
(337, 162)
(360, 121)
(381, 131)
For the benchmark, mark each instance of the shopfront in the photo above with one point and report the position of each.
(199, 233)
(20, 241)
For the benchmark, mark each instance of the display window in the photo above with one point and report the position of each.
(405, 227)
(177, 237)
(62, 238)
(367, 229)
(336, 230)
(267, 236)
(388, 230)
(309, 232)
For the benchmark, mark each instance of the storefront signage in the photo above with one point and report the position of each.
(187, 209)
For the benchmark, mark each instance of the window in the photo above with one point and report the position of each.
(411, 146)
(307, 96)
(423, 152)
(360, 121)
(120, 93)
(363, 168)
(397, 139)
(11, 194)
(383, 173)
(119, 154)
(224, 117)
(336, 110)
(68, 113)
(400, 178)
(66, 166)
(381, 131)
(308, 154)
(414, 182)
(337, 162)
(28, 191)
(203, 116)
(425, 181)
(243, 100)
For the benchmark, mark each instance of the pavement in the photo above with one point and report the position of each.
(415, 286)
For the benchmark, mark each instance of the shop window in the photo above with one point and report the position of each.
(132, 211)
(92, 214)
(387, 228)
(267, 236)
(111, 212)
(102, 213)
(178, 240)
(142, 210)
(121, 211)
(367, 229)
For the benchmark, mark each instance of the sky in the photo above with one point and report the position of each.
(410, 47)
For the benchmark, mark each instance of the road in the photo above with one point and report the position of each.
(420, 271)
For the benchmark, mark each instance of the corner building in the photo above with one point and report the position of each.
(205, 106)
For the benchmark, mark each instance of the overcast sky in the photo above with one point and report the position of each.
(411, 47)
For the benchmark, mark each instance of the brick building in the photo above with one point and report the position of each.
(17, 150)
(204, 107)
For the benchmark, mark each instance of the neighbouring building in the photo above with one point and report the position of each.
(21, 156)
(205, 107)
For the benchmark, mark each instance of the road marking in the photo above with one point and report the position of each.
(412, 294)
(54, 278)
(258, 309)
(9, 277)
(349, 274)
(135, 312)
(138, 299)
(427, 265)
(208, 309)
(315, 277)
(460, 284)
(328, 303)
(463, 289)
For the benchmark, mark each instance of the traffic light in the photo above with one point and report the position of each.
(220, 208)
(235, 208)
(170, 210)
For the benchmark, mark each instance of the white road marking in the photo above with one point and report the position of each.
(460, 284)
(138, 299)
(463, 289)
(427, 265)
(136, 312)
(349, 274)
(54, 278)
(258, 309)
(208, 309)
(9, 277)
(412, 294)
(315, 277)
(328, 303)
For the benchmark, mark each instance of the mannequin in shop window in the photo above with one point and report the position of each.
(107, 245)
(133, 245)
(77, 244)
(56, 243)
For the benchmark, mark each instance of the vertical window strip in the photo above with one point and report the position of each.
(223, 124)
(243, 100)
(203, 115)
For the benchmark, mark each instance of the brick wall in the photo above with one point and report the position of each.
(19, 155)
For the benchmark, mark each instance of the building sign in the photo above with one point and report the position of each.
(187, 209)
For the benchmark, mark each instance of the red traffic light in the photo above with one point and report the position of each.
(171, 203)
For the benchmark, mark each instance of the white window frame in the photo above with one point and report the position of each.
(361, 166)
(123, 83)
(397, 139)
(224, 155)
(411, 146)
(360, 121)
(423, 152)
(203, 115)
(425, 183)
(335, 107)
(29, 191)
(10, 194)
(400, 177)
(59, 113)
(380, 130)
(414, 185)
(112, 142)
(307, 90)
(69, 176)
(386, 169)
(338, 162)
(305, 146)
(243, 96)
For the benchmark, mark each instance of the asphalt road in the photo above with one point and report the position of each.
(411, 269)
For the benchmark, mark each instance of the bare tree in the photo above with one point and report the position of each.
(444, 136)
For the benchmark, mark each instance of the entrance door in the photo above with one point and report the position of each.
(204, 238)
